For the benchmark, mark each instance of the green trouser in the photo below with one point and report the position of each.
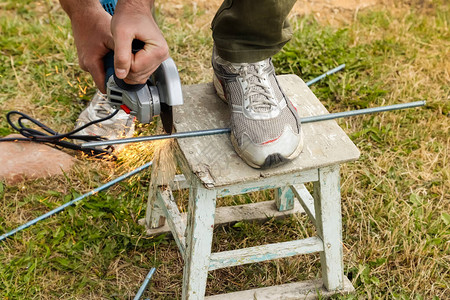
(251, 30)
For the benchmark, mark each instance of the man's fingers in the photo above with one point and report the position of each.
(122, 53)
(98, 74)
(100, 82)
(127, 24)
(144, 63)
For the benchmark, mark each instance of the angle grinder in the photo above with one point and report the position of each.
(155, 97)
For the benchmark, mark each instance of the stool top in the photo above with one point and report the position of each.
(213, 159)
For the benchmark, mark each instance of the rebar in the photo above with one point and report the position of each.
(363, 111)
(65, 205)
(227, 130)
(338, 68)
(144, 284)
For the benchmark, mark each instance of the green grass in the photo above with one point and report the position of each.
(396, 200)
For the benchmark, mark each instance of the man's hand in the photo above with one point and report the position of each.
(95, 35)
(133, 19)
(91, 26)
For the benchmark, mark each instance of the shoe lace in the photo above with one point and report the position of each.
(258, 92)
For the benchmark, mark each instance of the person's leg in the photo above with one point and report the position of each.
(265, 127)
(251, 30)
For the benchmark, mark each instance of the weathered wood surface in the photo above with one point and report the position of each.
(199, 234)
(264, 252)
(213, 159)
(264, 183)
(261, 184)
(284, 198)
(247, 212)
(327, 206)
(306, 200)
(173, 216)
(154, 216)
(305, 290)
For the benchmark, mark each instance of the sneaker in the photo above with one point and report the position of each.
(265, 126)
(119, 126)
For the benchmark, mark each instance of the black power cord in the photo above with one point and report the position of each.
(55, 139)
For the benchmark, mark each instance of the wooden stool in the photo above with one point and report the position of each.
(212, 169)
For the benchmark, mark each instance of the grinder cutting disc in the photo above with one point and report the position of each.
(166, 117)
(168, 82)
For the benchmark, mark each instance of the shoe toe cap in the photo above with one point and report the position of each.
(272, 152)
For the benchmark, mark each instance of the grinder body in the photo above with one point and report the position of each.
(155, 97)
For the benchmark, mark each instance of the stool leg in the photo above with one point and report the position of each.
(327, 203)
(199, 233)
(284, 198)
(154, 216)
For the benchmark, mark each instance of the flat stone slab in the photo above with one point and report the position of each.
(213, 159)
(26, 160)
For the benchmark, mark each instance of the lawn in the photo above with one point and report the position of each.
(396, 200)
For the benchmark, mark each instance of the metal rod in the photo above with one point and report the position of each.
(332, 71)
(178, 135)
(67, 204)
(144, 284)
(305, 120)
(363, 111)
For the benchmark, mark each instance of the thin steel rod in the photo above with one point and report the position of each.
(305, 120)
(332, 71)
(67, 204)
(144, 284)
(178, 135)
(363, 111)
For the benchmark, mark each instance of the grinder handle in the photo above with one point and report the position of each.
(108, 61)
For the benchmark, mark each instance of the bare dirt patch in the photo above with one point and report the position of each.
(332, 11)
(328, 11)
